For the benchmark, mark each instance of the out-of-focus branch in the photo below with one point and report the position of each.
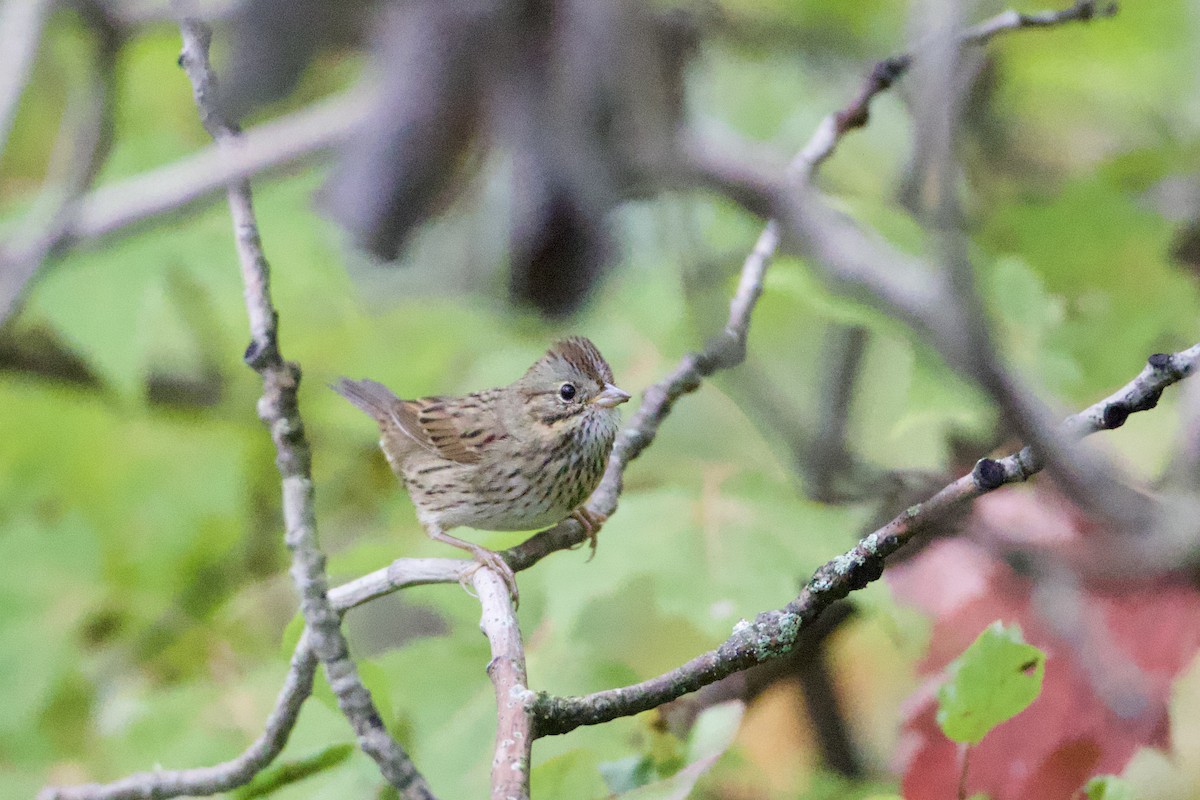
(828, 458)
(21, 24)
(816, 443)
(68, 214)
(773, 633)
(834, 127)
(141, 13)
(865, 266)
(278, 409)
(283, 142)
(1184, 470)
(81, 149)
(942, 308)
(1083, 475)
(514, 724)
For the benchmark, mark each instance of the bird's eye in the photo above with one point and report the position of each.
(567, 391)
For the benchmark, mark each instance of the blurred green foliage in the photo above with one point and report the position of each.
(1109, 787)
(144, 590)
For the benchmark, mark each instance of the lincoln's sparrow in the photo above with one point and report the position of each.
(515, 458)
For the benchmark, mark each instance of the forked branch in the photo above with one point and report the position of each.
(772, 633)
(523, 715)
(279, 411)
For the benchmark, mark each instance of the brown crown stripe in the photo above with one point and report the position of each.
(583, 355)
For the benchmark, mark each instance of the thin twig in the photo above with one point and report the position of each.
(856, 114)
(1082, 11)
(865, 266)
(278, 409)
(514, 723)
(724, 351)
(773, 633)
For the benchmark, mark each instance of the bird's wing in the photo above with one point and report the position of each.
(456, 428)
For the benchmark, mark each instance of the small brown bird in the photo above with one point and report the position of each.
(515, 458)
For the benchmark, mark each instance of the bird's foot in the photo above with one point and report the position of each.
(492, 560)
(591, 522)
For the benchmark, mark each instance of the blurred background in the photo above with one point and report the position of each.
(511, 184)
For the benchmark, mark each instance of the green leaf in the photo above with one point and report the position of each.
(995, 679)
(714, 730)
(712, 735)
(571, 776)
(283, 773)
(627, 774)
(291, 635)
(1108, 787)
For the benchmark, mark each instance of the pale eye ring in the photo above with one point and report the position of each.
(567, 392)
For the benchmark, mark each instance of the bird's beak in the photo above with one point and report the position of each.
(610, 397)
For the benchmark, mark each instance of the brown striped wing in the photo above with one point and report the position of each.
(455, 428)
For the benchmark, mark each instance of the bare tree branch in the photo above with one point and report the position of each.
(827, 456)
(514, 724)
(773, 633)
(83, 144)
(273, 145)
(1085, 477)
(278, 409)
(856, 114)
(941, 307)
(21, 24)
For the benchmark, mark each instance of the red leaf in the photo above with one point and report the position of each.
(1112, 654)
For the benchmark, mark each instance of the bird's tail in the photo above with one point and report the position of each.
(372, 397)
